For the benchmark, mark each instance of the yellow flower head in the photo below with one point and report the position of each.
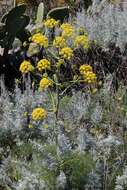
(67, 30)
(82, 40)
(43, 64)
(64, 26)
(59, 42)
(90, 77)
(26, 67)
(39, 114)
(66, 53)
(44, 83)
(51, 23)
(40, 39)
(85, 68)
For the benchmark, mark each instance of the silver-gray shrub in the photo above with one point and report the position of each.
(121, 180)
(105, 23)
(64, 153)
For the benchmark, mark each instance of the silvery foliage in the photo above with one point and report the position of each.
(94, 182)
(14, 107)
(76, 109)
(105, 22)
(95, 177)
(32, 172)
(63, 144)
(109, 141)
(85, 141)
(61, 180)
(30, 181)
(96, 116)
(108, 144)
(75, 115)
(121, 181)
(4, 178)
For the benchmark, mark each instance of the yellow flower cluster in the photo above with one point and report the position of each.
(82, 40)
(87, 73)
(40, 39)
(59, 42)
(66, 53)
(51, 23)
(39, 114)
(90, 77)
(26, 67)
(85, 68)
(44, 83)
(43, 64)
(67, 30)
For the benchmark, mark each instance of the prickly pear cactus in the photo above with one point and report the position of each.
(32, 6)
(59, 13)
(14, 24)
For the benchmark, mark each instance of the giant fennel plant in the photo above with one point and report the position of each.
(61, 128)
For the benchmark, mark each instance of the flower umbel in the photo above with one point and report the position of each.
(90, 77)
(51, 23)
(82, 40)
(85, 68)
(43, 64)
(66, 53)
(26, 67)
(39, 114)
(59, 42)
(67, 30)
(40, 39)
(44, 83)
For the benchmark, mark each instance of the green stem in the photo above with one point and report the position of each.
(53, 101)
